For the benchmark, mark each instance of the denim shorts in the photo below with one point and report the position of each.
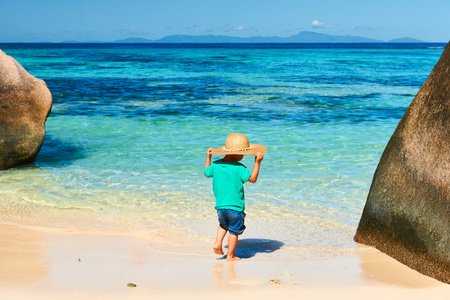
(232, 220)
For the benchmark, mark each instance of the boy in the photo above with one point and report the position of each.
(229, 176)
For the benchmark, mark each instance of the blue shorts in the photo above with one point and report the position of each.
(232, 220)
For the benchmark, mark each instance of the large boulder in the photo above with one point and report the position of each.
(407, 213)
(25, 103)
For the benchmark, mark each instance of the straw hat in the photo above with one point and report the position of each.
(237, 143)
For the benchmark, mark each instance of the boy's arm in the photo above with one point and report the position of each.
(208, 158)
(255, 172)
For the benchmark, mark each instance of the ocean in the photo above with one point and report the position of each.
(130, 125)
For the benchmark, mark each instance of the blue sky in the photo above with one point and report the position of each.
(109, 20)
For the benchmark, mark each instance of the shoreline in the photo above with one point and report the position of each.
(54, 263)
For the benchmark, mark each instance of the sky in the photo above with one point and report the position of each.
(110, 20)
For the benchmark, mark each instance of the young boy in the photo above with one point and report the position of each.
(229, 176)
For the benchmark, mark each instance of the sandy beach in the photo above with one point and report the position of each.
(44, 263)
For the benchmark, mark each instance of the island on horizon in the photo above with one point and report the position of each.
(302, 37)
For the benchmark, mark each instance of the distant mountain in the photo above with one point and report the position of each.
(313, 37)
(302, 37)
(133, 40)
(405, 40)
(202, 39)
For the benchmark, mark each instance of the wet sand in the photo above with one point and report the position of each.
(42, 263)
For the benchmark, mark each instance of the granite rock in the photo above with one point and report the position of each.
(25, 104)
(407, 212)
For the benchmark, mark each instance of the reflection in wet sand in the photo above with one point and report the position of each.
(225, 279)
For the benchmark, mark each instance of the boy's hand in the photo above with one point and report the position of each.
(208, 152)
(208, 158)
(255, 172)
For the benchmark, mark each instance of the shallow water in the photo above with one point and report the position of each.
(130, 126)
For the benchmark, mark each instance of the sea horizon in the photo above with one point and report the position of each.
(243, 44)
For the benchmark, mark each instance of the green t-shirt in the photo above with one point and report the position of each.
(228, 184)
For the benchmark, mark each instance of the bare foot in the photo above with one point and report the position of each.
(232, 258)
(218, 249)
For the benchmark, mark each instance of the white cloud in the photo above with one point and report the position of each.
(244, 28)
(226, 27)
(367, 28)
(241, 28)
(192, 26)
(317, 24)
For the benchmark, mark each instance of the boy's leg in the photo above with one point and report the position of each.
(232, 243)
(219, 239)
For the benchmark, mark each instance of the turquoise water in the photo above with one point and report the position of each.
(130, 126)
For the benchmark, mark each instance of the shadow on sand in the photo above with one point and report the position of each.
(248, 248)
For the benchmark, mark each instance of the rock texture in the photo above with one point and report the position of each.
(25, 103)
(407, 213)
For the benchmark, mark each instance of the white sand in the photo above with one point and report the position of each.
(50, 264)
